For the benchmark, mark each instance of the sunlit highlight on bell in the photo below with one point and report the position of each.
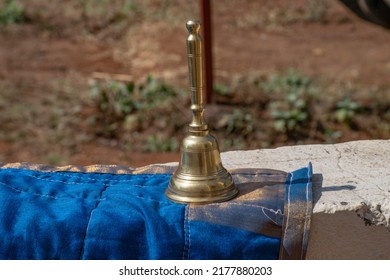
(200, 177)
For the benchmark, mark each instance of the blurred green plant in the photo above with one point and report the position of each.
(11, 13)
(240, 122)
(130, 107)
(316, 10)
(129, 7)
(235, 129)
(276, 16)
(294, 95)
(345, 110)
(155, 143)
(237, 143)
(101, 14)
(332, 135)
(222, 90)
(118, 99)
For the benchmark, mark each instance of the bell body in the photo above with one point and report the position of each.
(200, 177)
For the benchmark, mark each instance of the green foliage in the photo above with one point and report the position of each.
(129, 7)
(154, 92)
(114, 98)
(293, 107)
(222, 90)
(11, 13)
(127, 109)
(237, 128)
(332, 135)
(118, 99)
(291, 81)
(158, 144)
(316, 10)
(345, 111)
(115, 16)
(240, 122)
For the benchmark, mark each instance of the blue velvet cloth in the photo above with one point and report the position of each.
(75, 215)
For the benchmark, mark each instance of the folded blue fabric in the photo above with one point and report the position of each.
(84, 215)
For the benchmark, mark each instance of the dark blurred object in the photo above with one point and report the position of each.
(205, 10)
(375, 11)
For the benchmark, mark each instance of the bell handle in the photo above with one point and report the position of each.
(194, 55)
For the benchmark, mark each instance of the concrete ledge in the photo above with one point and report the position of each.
(351, 192)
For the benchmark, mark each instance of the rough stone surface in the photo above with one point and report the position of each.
(352, 176)
(351, 193)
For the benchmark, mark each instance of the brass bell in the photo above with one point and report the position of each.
(200, 177)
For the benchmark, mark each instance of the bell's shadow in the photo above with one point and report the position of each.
(318, 189)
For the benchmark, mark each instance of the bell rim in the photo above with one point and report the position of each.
(219, 194)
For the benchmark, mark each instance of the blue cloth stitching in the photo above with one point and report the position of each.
(20, 191)
(74, 197)
(77, 175)
(105, 179)
(96, 180)
(89, 221)
(83, 183)
(40, 195)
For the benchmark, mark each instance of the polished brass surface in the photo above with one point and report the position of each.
(200, 177)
